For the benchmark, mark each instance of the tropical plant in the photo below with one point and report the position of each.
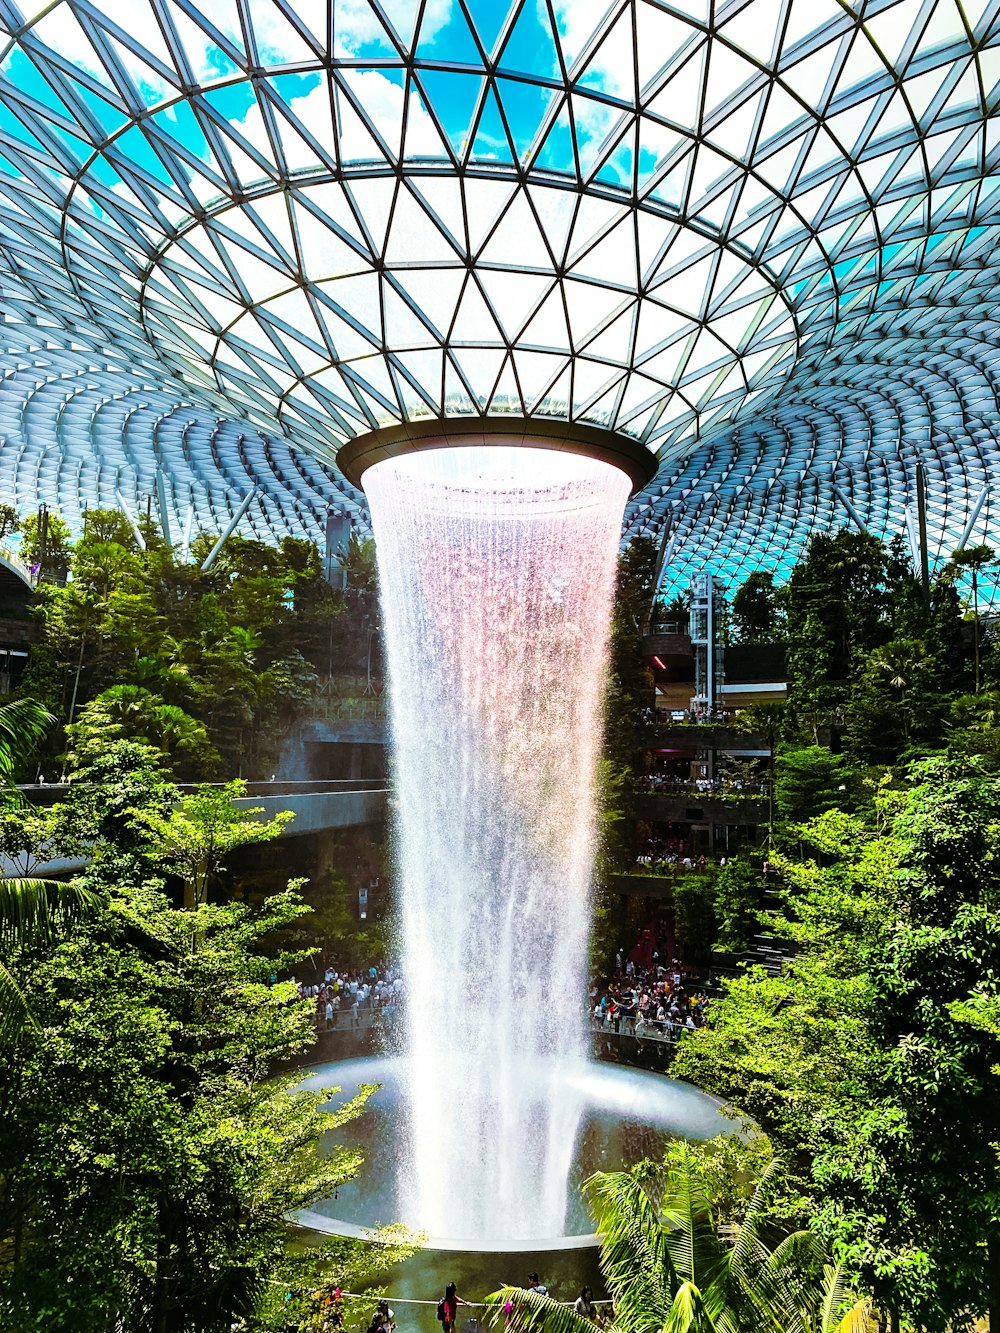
(669, 1268)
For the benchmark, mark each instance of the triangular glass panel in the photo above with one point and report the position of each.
(506, 397)
(480, 366)
(659, 38)
(558, 151)
(618, 168)
(359, 32)
(525, 106)
(547, 327)
(474, 322)
(454, 98)
(530, 47)
(279, 41)
(513, 296)
(435, 293)
(516, 240)
(402, 15)
(589, 307)
(402, 327)
(450, 41)
(413, 237)
(489, 18)
(426, 369)
(614, 343)
(755, 29)
(678, 101)
(613, 258)
(490, 141)
(611, 67)
(536, 371)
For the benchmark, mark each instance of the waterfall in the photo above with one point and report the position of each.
(496, 570)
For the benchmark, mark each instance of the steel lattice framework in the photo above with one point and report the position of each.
(758, 235)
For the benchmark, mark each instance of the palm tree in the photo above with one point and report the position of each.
(669, 1269)
(31, 910)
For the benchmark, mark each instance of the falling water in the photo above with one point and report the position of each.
(496, 568)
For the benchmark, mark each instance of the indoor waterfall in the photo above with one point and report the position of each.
(496, 569)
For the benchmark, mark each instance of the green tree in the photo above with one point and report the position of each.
(757, 615)
(10, 521)
(737, 905)
(974, 559)
(58, 545)
(809, 780)
(766, 720)
(148, 1162)
(695, 924)
(32, 910)
(126, 712)
(202, 828)
(859, 1062)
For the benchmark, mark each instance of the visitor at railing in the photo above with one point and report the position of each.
(723, 785)
(646, 997)
(351, 1000)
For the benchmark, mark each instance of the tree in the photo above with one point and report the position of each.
(130, 712)
(148, 1157)
(809, 780)
(202, 828)
(859, 1061)
(32, 910)
(737, 901)
(668, 1267)
(974, 559)
(10, 521)
(895, 702)
(55, 558)
(756, 610)
(767, 720)
(148, 1162)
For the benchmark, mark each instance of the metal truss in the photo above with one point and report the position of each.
(758, 235)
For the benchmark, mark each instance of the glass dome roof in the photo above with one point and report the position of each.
(757, 235)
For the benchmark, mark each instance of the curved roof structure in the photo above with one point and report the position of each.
(757, 235)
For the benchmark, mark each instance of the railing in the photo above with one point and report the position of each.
(735, 790)
(13, 558)
(371, 709)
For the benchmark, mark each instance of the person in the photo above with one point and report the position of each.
(383, 1319)
(584, 1304)
(535, 1284)
(450, 1305)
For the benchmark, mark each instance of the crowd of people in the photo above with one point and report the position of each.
(647, 996)
(350, 1000)
(662, 855)
(723, 785)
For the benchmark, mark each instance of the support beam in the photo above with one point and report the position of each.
(210, 558)
(914, 540)
(140, 539)
(970, 522)
(925, 572)
(186, 539)
(161, 504)
(849, 507)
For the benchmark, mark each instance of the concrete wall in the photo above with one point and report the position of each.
(317, 811)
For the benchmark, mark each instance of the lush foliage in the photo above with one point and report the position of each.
(873, 1061)
(148, 1159)
(208, 667)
